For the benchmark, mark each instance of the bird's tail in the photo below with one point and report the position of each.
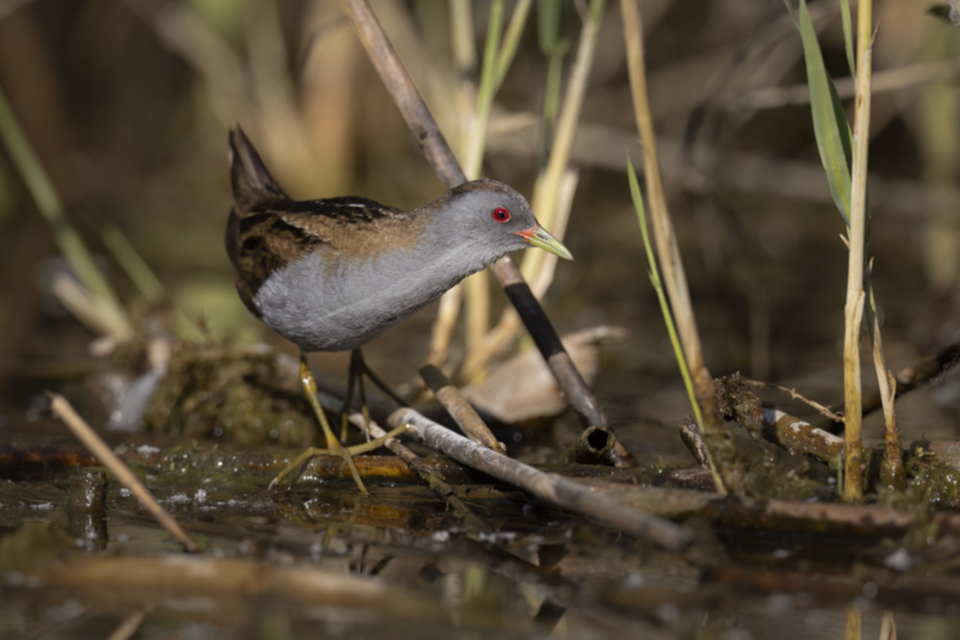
(253, 186)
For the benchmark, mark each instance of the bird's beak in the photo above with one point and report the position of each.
(539, 237)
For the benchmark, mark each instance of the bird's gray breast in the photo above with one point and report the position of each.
(335, 304)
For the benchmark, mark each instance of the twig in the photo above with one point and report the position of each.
(109, 459)
(796, 396)
(459, 409)
(430, 475)
(444, 163)
(554, 489)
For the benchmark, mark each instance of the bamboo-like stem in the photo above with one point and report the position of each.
(719, 441)
(853, 311)
(853, 444)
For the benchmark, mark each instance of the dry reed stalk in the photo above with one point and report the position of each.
(856, 296)
(726, 468)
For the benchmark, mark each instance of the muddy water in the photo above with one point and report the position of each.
(80, 558)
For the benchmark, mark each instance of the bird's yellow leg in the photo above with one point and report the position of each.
(356, 450)
(334, 448)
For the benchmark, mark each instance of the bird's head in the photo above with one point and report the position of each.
(493, 219)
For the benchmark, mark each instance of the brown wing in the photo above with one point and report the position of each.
(266, 230)
(254, 193)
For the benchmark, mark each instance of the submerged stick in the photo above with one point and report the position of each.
(411, 105)
(62, 408)
(552, 488)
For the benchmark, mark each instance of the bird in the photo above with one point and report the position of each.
(332, 274)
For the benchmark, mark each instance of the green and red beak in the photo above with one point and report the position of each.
(539, 237)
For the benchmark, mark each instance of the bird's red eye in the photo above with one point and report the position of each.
(501, 215)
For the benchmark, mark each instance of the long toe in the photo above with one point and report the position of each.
(353, 470)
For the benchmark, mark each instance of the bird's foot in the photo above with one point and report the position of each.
(346, 453)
